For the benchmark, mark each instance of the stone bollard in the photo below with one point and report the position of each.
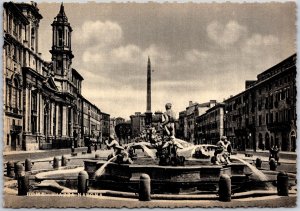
(225, 188)
(258, 162)
(18, 168)
(55, 163)
(10, 169)
(83, 181)
(282, 184)
(28, 165)
(97, 156)
(273, 164)
(145, 188)
(63, 161)
(23, 185)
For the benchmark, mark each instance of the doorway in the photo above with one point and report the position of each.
(13, 142)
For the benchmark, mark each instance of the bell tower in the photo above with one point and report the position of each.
(61, 45)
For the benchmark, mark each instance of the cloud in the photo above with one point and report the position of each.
(195, 55)
(258, 42)
(116, 71)
(105, 34)
(227, 34)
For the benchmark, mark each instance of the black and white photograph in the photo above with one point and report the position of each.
(149, 104)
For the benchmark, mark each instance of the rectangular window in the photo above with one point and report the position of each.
(15, 27)
(271, 117)
(7, 139)
(14, 97)
(33, 101)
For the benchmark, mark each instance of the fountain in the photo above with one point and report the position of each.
(192, 175)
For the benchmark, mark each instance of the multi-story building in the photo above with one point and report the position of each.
(181, 130)
(114, 122)
(192, 111)
(43, 102)
(156, 122)
(137, 124)
(120, 120)
(105, 125)
(91, 121)
(210, 125)
(112, 125)
(265, 113)
(20, 50)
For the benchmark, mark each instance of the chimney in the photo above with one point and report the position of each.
(190, 103)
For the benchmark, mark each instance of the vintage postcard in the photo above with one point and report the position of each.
(152, 104)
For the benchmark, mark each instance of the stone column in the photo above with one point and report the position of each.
(26, 109)
(38, 122)
(57, 116)
(52, 118)
(71, 122)
(29, 111)
(64, 121)
(41, 117)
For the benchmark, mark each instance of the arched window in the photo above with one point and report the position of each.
(60, 37)
(15, 94)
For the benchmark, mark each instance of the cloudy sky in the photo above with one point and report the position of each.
(198, 51)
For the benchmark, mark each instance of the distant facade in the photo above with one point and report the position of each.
(181, 130)
(114, 122)
(120, 120)
(105, 125)
(210, 125)
(112, 125)
(188, 118)
(43, 105)
(156, 121)
(265, 113)
(91, 125)
(137, 123)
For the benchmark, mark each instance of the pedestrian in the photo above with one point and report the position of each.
(95, 147)
(276, 153)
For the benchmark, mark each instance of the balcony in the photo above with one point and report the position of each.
(10, 111)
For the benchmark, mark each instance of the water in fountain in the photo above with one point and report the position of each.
(185, 144)
(260, 175)
(143, 145)
(149, 152)
(101, 170)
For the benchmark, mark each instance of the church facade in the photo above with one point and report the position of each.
(43, 104)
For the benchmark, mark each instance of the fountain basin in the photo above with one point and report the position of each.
(191, 178)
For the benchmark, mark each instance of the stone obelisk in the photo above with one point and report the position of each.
(148, 113)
